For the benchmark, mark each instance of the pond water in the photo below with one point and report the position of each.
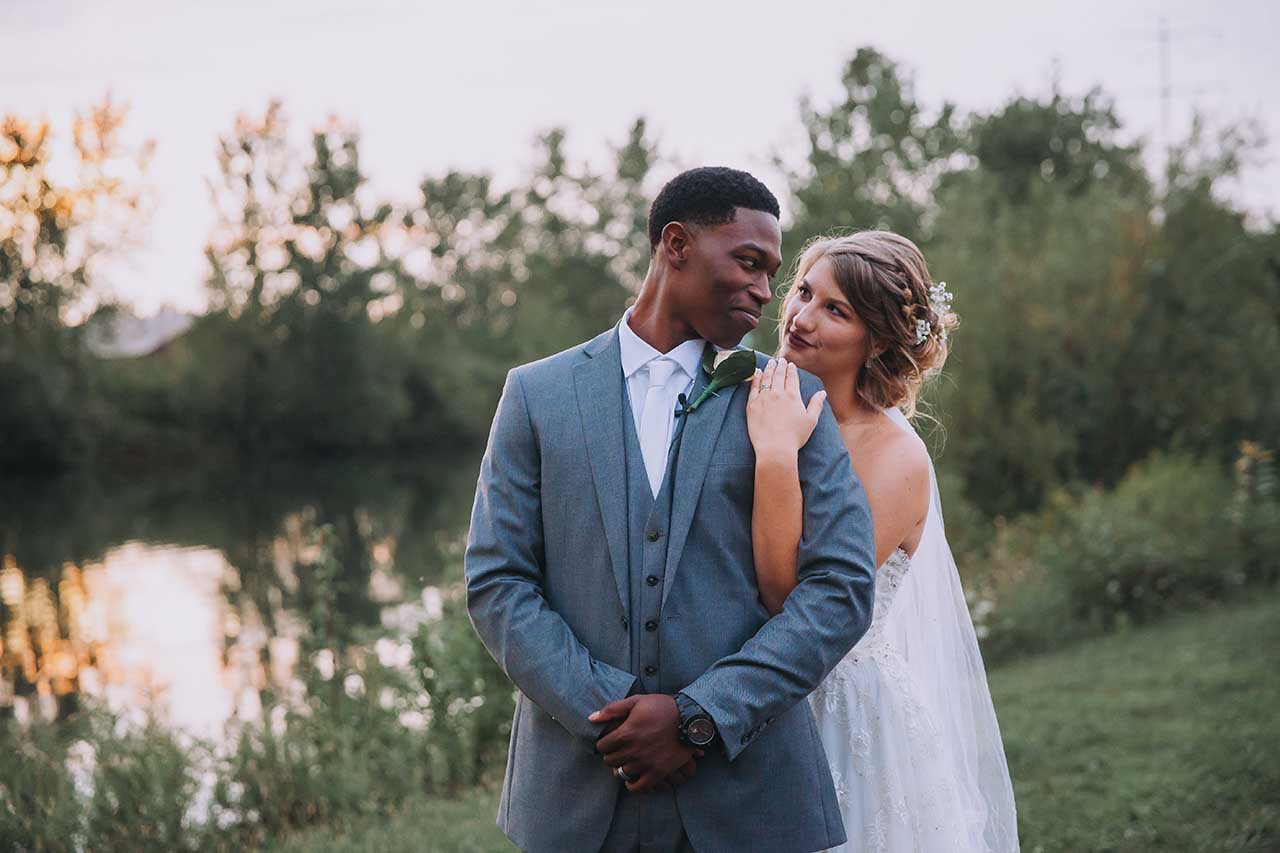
(190, 595)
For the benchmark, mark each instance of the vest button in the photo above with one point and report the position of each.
(650, 670)
(651, 625)
(653, 535)
(652, 580)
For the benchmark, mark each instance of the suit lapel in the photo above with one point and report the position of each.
(701, 428)
(599, 389)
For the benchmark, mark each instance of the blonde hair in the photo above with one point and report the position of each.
(884, 277)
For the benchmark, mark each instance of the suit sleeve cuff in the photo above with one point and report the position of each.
(625, 685)
(735, 738)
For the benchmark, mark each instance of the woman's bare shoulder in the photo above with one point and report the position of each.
(895, 462)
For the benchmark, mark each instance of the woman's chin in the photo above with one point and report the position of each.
(793, 355)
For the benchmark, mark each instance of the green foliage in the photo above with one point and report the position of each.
(1038, 388)
(1173, 534)
(1255, 513)
(1156, 542)
(1067, 141)
(343, 753)
(875, 156)
(298, 276)
(142, 787)
(515, 276)
(38, 807)
(342, 323)
(373, 720)
(1159, 739)
(471, 699)
(1210, 314)
(53, 231)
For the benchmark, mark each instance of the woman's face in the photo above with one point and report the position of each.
(820, 331)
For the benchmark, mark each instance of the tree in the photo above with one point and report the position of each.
(875, 159)
(53, 236)
(1069, 141)
(492, 279)
(299, 279)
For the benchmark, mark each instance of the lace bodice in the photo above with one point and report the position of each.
(888, 581)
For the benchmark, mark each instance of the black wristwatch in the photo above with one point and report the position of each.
(696, 726)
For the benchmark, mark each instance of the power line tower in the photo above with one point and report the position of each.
(1164, 42)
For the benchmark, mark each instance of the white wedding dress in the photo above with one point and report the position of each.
(906, 718)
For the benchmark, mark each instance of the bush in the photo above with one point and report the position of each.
(1175, 533)
(1255, 512)
(376, 718)
(38, 806)
(471, 698)
(1155, 543)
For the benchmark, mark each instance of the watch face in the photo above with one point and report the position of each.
(701, 731)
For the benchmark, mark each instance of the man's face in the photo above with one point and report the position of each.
(727, 275)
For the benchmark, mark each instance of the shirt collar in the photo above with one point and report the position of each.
(636, 353)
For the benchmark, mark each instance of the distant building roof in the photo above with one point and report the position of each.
(123, 335)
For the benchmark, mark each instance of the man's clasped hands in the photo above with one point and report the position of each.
(642, 737)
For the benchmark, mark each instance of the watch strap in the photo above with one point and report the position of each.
(689, 709)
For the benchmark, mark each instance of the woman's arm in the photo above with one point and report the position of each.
(777, 519)
(779, 425)
(894, 474)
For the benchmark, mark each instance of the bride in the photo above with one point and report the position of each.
(906, 719)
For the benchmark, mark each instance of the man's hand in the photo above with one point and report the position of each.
(646, 743)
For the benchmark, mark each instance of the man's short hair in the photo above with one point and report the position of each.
(707, 195)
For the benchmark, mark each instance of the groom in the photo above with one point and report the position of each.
(609, 563)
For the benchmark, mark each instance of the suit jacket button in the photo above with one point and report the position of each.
(624, 622)
(650, 670)
(652, 580)
(653, 535)
(651, 625)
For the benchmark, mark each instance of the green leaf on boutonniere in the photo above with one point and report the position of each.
(726, 369)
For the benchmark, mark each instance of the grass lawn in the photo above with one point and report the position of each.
(465, 824)
(1160, 739)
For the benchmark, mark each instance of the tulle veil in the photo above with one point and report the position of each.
(930, 623)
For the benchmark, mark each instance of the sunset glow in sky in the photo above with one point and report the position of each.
(434, 86)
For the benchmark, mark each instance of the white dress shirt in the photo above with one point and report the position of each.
(636, 355)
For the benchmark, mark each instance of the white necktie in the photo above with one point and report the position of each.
(655, 421)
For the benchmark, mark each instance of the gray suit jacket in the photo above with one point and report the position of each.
(547, 571)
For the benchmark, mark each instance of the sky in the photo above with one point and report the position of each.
(468, 85)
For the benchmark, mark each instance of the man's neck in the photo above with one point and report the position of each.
(656, 326)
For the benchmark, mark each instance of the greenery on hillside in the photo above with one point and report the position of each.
(1157, 740)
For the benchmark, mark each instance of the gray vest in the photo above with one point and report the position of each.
(648, 525)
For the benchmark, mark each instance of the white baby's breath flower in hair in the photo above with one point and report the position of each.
(940, 302)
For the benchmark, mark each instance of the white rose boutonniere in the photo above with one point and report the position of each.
(726, 369)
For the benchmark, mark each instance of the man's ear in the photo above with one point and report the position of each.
(677, 244)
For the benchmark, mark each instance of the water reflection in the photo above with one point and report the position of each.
(203, 616)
